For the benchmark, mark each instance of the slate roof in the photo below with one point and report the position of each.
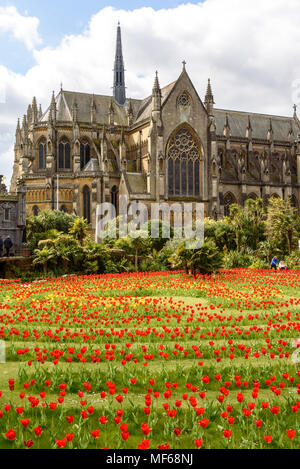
(260, 124)
(238, 120)
(145, 108)
(65, 100)
(137, 183)
(92, 165)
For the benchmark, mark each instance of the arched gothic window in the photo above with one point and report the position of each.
(35, 210)
(114, 198)
(229, 199)
(64, 155)
(183, 155)
(294, 201)
(87, 204)
(85, 153)
(252, 196)
(42, 154)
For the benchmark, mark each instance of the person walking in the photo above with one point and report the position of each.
(1, 246)
(8, 244)
(274, 263)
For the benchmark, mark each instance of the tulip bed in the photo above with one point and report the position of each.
(152, 360)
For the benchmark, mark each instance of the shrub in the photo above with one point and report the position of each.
(259, 264)
(236, 260)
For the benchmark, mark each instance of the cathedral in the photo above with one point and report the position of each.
(170, 147)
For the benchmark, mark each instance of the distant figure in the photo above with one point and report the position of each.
(1, 246)
(274, 263)
(283, 266)
(8, 245)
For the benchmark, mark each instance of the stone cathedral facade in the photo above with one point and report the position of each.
(169, 147)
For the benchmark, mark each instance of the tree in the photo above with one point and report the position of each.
(237, 221)
(282, 222)
(47, 222)
(204, 259)
(160, 228)
(138, 245)
(79, 228)
(43, 256)
(248, 223)
(221, 232)
(267, 249)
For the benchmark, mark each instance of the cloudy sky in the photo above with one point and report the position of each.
(250, 50)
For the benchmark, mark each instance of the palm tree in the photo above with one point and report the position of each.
(205, 259)
(282, 221)
(79, 229)
(43, 256)
(237, 220)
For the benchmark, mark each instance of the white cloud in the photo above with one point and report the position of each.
(23, 28)
(248, 49)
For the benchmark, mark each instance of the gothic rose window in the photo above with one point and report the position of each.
(64, 155)
(85, 153)
(42, 154)
(183, 155)
(184, 99)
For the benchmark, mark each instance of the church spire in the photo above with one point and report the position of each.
(209, 98)
(119, 71)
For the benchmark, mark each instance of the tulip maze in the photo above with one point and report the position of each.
(156, 360)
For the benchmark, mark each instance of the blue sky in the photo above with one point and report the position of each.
(59, 18)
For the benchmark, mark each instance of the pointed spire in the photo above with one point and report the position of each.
(270, 131)
(249, 129)
(209, 98)
(18, 135)
(183, 65)
(29, 114)
(156, 94)
(226, 130)
(34, 110)
(24, 127)
(74, 110)
(119, 72)
(295, 111)
(156, 87)
(53, 108)
(209, 95)
(40, 112)
(93, 110)
(111, 113)
(130, 113)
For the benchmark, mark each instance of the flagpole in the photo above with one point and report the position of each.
(57, 193)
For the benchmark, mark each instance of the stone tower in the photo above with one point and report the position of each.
(119, 72)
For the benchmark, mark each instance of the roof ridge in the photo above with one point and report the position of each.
(254, 113)
(98, 95)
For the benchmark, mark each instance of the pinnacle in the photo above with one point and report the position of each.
(156, 86)
(209, 97)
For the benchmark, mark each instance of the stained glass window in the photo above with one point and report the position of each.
(42, 154)
(87, 204)
(183, 154)
(184, 99)
(85, 154)
(64, 155)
